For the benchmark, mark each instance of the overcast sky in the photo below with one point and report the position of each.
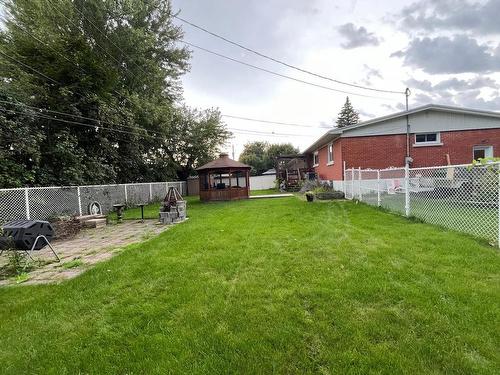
(445, 51)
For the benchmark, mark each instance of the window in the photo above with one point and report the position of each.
(481, 152)
(330, 154)
(424, 139)
(315, 159)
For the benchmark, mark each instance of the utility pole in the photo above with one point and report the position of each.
(232, 146)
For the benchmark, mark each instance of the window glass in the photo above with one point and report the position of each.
(316, 158)
(330, 153)
(432, 137)
(479, 154)
(420, 138)
(426, 138)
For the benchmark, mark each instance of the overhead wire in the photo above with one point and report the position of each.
(285, 63)
(113, 43)
(282, 75)
(94, 126)
(273, 122)
(30, 67)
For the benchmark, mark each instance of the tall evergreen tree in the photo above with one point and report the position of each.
(347, 116)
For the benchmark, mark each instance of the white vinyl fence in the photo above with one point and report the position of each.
(263, 182)
(460, 197)
(41, 203)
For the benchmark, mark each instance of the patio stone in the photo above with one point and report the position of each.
(90, 246)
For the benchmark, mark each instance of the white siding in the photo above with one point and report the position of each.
(428, 121)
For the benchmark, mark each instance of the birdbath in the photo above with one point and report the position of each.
(141, 205)
(119, 213)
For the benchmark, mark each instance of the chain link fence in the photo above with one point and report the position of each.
(459, 197)
(41, 203)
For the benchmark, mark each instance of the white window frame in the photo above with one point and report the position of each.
(488, 150)
(330, 160)
(315, 159)
(437, 142)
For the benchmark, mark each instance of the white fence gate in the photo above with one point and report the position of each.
(460, 197)
(41, 203)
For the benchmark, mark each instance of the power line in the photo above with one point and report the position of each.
(283, 75)
(29, 67)
(96, 126)
(275, 122)
(284, 63)
(113, 43)
(77, 123)
(60, 54)
(67, 114)
(264, 133)
(53, 6)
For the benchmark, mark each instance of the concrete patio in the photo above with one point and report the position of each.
(89, 247)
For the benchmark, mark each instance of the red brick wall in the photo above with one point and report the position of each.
(386, 151)
(389, 150)
(335, 170)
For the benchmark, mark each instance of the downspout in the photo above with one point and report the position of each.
(408, 159)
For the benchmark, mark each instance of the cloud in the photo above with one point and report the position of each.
(444, 55)
(357, 37)
(453, 84)
(431, 15)
(468, 99)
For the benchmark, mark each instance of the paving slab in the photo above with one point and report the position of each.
(87, 248)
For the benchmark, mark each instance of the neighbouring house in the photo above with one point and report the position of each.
(438, 135)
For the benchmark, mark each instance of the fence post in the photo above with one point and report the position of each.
(150, 192)
(498, 234)
(407, 189)
(126, 195)
(352, 183)
(27, 203)
(79, 200)
(343, 180)
(359, 184)
(378, 188)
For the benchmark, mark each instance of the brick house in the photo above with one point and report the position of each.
(438, 135)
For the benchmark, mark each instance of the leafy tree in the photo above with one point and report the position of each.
(194, 138)
(261, 156)
(347, 116)
(254, 154)
(115, 65)
(276, 149)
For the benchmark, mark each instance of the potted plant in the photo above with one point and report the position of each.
(309, 196)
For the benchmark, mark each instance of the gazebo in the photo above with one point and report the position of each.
(224, 179)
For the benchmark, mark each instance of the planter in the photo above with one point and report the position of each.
(310, 197)
(330, 195)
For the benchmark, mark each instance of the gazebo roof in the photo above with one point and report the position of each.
(223, 162)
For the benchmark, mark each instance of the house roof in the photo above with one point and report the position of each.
(335, 133)
(270, 171)
(223, 162)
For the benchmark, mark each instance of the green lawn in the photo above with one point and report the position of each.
(447, 212)
(268, 286)
(265, 191)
